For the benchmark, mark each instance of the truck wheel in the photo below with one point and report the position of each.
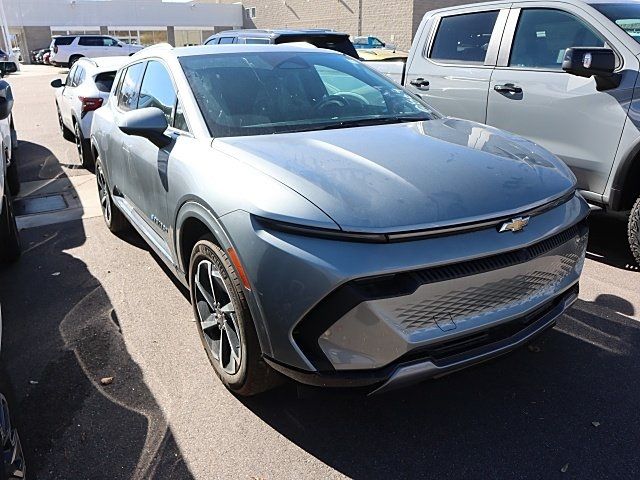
(10, 248)
(634, 231)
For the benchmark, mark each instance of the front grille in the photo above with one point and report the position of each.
(490, 297)
(454, 304)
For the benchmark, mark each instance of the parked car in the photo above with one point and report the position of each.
(320, 38)
(368, 43)
(39, 56)
(9, 236)
(68, 49)
(85, 89)
(559, 73)
(329, 225)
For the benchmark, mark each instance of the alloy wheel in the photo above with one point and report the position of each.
(217, 317)
(103, 192)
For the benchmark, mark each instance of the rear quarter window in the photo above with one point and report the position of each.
(63, 40)
(104, 81)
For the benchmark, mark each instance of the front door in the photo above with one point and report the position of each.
(149, 164)
(532, 96)
(453, 71)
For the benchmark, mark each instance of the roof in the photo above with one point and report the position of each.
(278, 32)
(231, 48)
(105, 63)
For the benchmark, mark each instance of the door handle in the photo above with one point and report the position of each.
(420, 83)
(507, 87)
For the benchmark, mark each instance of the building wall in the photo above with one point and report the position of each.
(394, 21)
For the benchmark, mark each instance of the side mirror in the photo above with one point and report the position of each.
(6, 100)
(57, 83)
(149, 123)
(592, 62)
(7, 67)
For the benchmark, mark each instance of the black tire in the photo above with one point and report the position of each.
(74, 59)
(84, 148)
(633, 230)
(114, 219)
(10, 248)
(13, 180)
(253, 375)
(66, 133)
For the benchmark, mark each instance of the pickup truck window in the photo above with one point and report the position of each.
(625, 15)
(543, 35)
(464, 38)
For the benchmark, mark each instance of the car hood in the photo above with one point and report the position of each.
(410, 176)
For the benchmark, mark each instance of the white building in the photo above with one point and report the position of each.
(32, 23)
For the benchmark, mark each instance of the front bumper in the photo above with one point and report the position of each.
(447, 358)
(351, 313)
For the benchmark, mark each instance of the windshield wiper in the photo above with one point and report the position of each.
(365, 122)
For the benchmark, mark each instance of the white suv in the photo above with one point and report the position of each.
(66, 50)
(85, 89)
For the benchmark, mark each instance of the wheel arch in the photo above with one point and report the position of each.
(195, 219)
(625, 188)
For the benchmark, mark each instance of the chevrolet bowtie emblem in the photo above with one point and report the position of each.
(515, 225)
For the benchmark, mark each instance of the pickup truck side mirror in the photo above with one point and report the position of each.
(149, 123)
(57, 83)
(592, 62)
(6, 100)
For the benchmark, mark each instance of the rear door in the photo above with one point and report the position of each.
(457, 51)
(532, 96)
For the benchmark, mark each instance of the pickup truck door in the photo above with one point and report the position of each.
(452, 59)
(532, 96)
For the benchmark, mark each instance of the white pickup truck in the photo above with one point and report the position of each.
(562, 74)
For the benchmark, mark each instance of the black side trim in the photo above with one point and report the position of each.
(349, 295)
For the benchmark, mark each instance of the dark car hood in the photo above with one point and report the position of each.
(410, 176)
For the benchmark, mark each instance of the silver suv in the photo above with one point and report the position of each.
(329, 225)
(561, 73)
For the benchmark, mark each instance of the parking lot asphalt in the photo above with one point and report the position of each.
(82, 305)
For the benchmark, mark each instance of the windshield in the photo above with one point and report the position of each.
(261, 93)
(625, 15)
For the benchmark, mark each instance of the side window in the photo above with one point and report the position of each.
(79, 76)
(257, 41)
(179, 121)
(213, 41)
(128, 94)
(543, 35)
(109, 42)
(464, 38)
(227, 40)
(90, 41)
(72, 73)
(157, 90)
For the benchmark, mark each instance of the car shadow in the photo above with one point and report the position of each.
(517, 417)
(78, 399)
(608, 241)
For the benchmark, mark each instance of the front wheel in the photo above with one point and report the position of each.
(224, 322)
(10, 247)
(633, 231)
